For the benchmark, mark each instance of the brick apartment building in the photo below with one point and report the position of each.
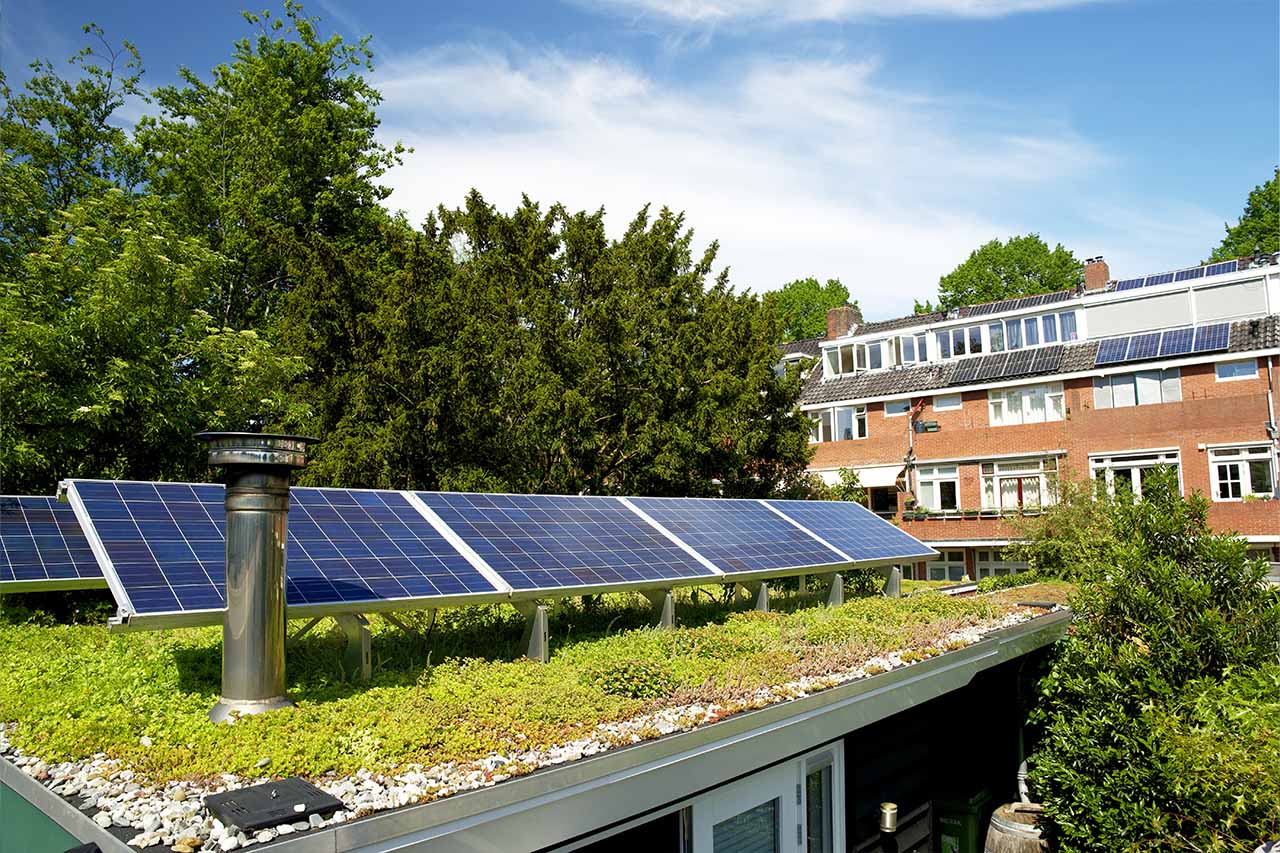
(957, 420)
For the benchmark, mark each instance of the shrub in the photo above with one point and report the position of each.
(995, 582)
(1172, 612)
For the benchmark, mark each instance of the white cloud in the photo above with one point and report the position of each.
(798, 168)
(801, 11)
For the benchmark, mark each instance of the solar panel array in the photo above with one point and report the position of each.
(42, 546)
(852, 528)
(554, 541)
(1177, 275)
(1015, 304)
(738, 535)
(162, 545)
(166, 546)
(1164, 344)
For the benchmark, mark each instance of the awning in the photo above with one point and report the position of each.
(879, 476)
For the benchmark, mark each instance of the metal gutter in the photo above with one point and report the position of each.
(61, 811)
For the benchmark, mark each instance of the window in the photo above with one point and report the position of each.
(1144, 388)
(946, 402)
(875, 357)
(1050, 323)
(997, 337)
(1019, 484)
(1242, 472)
(944, 344)
(1027, 404)
(893, 408)
(939, 488)
(1031, 331)
(1130, 471)
(907, 350)
(948, 567)
(1013, 334)
(795, 805)
(922, 347)
(1228, 371)
(838, 424)
(1067, 322)
(957, 341)
(975, 339)
(993, 563)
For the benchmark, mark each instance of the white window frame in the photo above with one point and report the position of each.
(945, 566)
(1002, 403)
(991, 562)
(1106, 465)
(821, 431)
(939, 406)
(905, 411)
(1239, 456)
(1104, 388)
(1231, 365)
(934, 476)
(784, 783)
(996, 471)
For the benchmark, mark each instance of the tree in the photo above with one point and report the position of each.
(1022, 266)
(1167, 678)
(1258, 230)
(801, 306)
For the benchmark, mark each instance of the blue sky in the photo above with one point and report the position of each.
(877, 141)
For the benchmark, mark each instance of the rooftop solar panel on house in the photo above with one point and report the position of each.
(1112, 350)
(1047, 359)
(852, 528)
(559, 541)
(1159, 278)
(1143, 346)
(43, 547)
(966, 371)
(739, 536)
(993, 366)
(1210, 338)
(1176, 342)
(1185, 275)
(1220, 268)
(1020, 362)
(1130, 283)
(165, 551)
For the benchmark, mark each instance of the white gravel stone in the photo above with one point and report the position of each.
(102, 819)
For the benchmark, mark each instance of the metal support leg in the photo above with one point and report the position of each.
(803, 586)
(835, 592)
(664, 603)
(399, 624)
(892, 582)
(305, 629)
(357, 663)
(535, 641)
(760, 592)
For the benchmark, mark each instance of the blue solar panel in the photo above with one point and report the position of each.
(1130, 283)
(166, 545)
(1220, 268)
(1143, 346)
(1184, 275)
(559, 541)
(42, 545)
(1176, 342)
(1159, 278)
(853, 528)
(1210, 338)
(1112, 350)
(738, 535)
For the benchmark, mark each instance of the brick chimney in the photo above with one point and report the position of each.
(840, 320)
(1096, 273)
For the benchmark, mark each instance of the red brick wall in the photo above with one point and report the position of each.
(1211, 412)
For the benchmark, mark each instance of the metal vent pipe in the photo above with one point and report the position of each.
(257, 505)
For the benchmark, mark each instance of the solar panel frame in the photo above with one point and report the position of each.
(565, 542)
(1221, 267)
(1019, 362)
(1188, 274)
(1158, 278)
(161, 548)
(966, 371)
(1212, 338)
(745, 539)
(1130, 283)
(1143, 346)
(1176, 341)
(854, 530)
(993, 366)
(42, 547)
(1047, 359)
(1112, 350)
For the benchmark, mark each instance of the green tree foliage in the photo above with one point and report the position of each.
(528, 352)
(1020, 266)
(1259, 227)
(801, 306)
(1166, 673)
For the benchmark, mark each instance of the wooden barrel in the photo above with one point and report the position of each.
(1013, 829)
